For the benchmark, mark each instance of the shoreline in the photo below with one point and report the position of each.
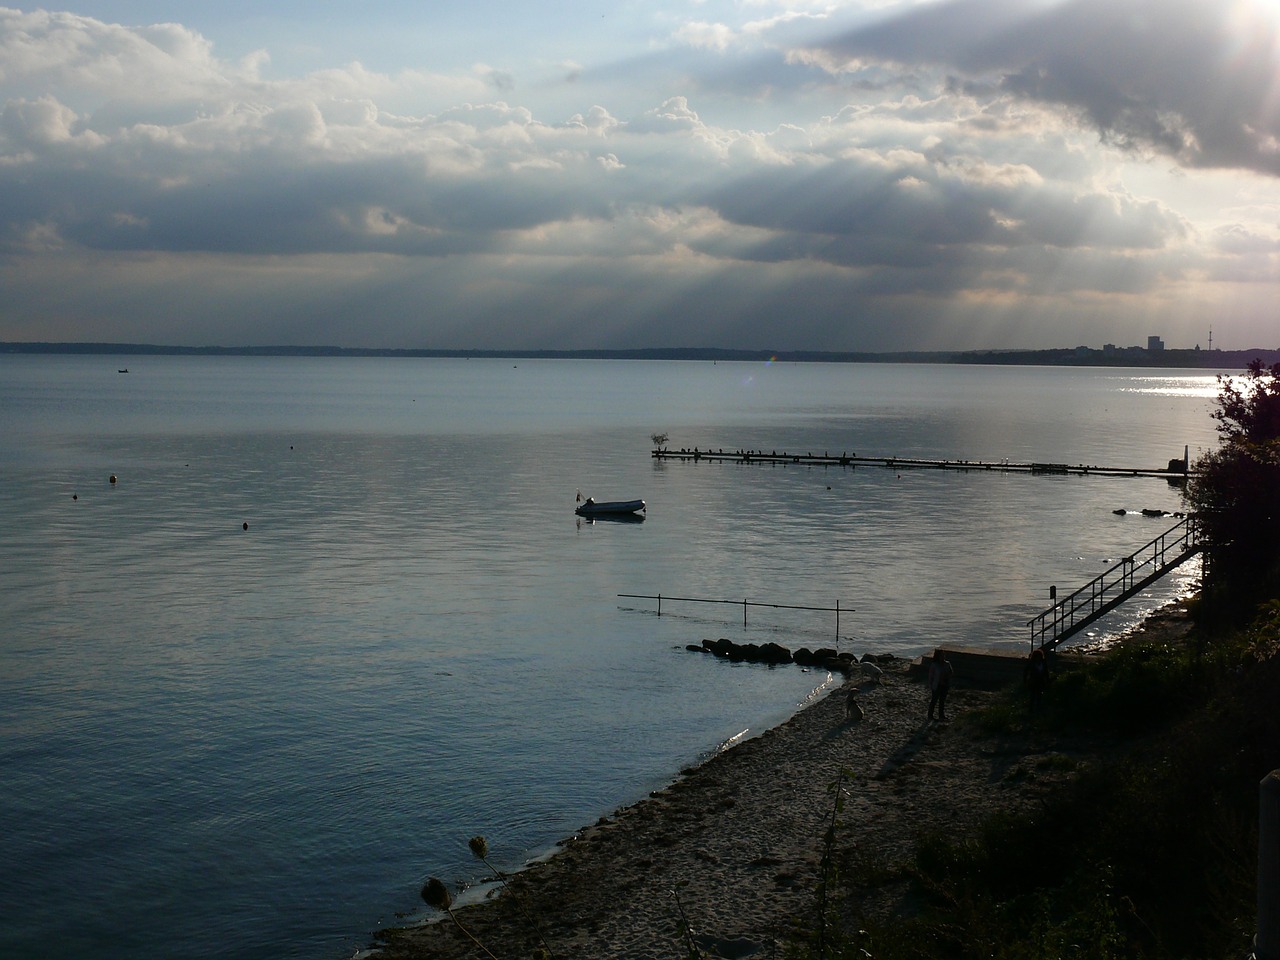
(734, 844)
(738, 837)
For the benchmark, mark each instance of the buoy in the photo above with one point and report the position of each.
(75, 497)
(113, 478)
(245, 525)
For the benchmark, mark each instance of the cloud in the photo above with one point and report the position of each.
(674, 115)
(1192, 79)
(925, 170)
(710, 36)
(339, 177)
(62, 52)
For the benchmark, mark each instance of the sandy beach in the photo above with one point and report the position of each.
(736, 842)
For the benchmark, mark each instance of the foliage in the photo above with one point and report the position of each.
(1235, 492)
(1250, 410)
(1135, 689)
(1264, 635)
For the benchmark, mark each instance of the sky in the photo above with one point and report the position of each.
(872, 175)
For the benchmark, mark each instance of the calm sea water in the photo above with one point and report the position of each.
(250, 743)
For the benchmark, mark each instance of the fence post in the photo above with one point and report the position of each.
(1266, 945)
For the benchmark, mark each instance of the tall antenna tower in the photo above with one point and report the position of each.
(1211, 338)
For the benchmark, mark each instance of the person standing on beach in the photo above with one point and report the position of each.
(939, 684)
(1036, 677)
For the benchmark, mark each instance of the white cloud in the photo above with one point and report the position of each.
(706, 36)
(39, 123)
(63, 52)
(597, 119)
(674, 114)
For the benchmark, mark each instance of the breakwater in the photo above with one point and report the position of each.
(1176, 469)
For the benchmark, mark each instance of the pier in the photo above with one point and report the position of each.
(1176, 469)
(1109, 589)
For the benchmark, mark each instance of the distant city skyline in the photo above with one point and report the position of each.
(883, 175)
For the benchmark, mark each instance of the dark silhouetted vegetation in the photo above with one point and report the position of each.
(1235, 494)
(1149, 854)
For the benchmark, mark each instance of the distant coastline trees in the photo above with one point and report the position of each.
(1235, 492)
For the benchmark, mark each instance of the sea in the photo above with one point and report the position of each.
(278, 635)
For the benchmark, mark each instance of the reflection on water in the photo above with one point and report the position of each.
(1195, 386)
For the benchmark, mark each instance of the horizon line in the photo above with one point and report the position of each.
(1079, 356)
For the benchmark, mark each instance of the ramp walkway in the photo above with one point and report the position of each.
(1111, 588)
(1133, 574)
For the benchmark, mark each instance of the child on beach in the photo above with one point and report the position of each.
(939, 684)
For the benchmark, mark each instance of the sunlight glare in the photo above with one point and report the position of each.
(1205, 385)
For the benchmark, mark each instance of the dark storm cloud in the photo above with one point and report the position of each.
(1196, 79)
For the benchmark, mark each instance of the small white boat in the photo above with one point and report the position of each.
(591, 507)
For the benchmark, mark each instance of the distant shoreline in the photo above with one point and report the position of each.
(1065, 357)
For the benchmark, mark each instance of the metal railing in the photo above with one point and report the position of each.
(837, 609)
(1109, 589)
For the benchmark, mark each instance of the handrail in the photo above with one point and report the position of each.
(837, 609)
(1113, 586)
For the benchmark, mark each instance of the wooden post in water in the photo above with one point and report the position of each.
(1266, 945)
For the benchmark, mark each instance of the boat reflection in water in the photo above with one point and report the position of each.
(611, 517)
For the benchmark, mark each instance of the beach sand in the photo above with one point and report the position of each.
(735, 844)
